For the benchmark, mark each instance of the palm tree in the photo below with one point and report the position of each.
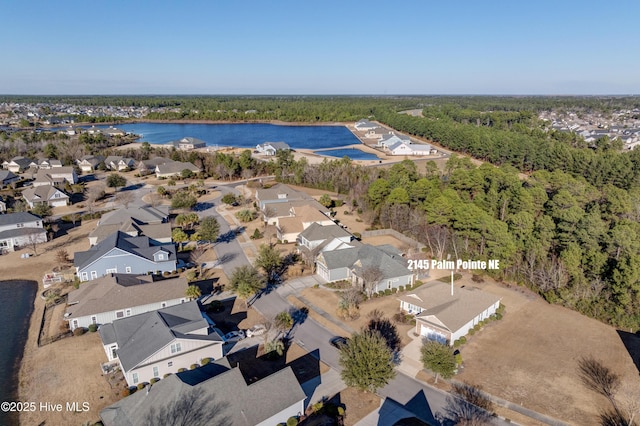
(193, 292)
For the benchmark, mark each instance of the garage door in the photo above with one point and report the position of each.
(432, 334)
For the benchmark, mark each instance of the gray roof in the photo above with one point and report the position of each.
(20, 217)
(272, 193)
(6, 175)
(276, 145)
(137, 246)
(197, 143)
(119, 291)
(453, 311)
(385, 257)
(140, 336)
(23, 162)
(42, 193)
(276, 209)
(139, 215)
(176, 167)
(317, 232)
(231, 400)
(20, 232)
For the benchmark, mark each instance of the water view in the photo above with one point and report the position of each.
(354, 154)
(16, 305)
(244, 135)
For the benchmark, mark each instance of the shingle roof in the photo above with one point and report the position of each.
(141, 336)
(273, 192)
(453, 311)
(138, 246)
(362, 256)
(232, 401)
(7, 175)
(316, 232)
(20, 217)
(42, 192)
(175, 167)
(119, 291)
(140, 215)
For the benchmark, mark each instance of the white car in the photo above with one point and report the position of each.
(234, 336)
(256, 330)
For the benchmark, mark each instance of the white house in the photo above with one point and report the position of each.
(160, 342)
(270, 148)
(20, 229)
(301, 217)
(365, 125)
(116, 296)
(45, 194)
(404, 148)
(188, 143)
(444, 313)
(56, 176)
(390, 139)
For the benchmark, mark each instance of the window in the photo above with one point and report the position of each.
(94, 275)
(135, 378)
(128, 312)
(94, 320)
(114, 348)
(175, 348)
(160, 256)
(75, 323)
(120, 314)
(156, 372)
(389, 284)
(112, 271)
(127, 269)
(19, 225)
(170, 364)
(163, 304)
(85, 276)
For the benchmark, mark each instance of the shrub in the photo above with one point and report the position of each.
(476, 278)
(456, 344)
(93, 328)
(357, 235)
(417, 284)
(154, 380)
(78, 331)
(316, 286)
(166, 273)
(375, 294)
(126, 392)
(166, 375)
(498, 316)
(140, 386)
(205, 361)
(215, 306)
(462, 340)
(228, 198)
(347, 212)
(458, 359)
(193, 366)
(387, 292)
(181, 370)
(472, 332)
(400, 318)
(317, 407)
(400, 288)
(256, 234)
(292, 421)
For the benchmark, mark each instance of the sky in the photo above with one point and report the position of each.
(347, 47)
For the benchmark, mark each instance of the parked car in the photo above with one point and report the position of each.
(339, 341)
(256, 330)
(234, 336)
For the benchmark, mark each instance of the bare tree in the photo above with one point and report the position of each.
(32, 242)
(125, 198)
(190, 408)
(551, 275)
(62, 257)
(468, 405)
(371, 276)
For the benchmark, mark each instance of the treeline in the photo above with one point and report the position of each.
(573, 243)
(525, 152)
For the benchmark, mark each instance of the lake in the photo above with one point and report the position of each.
(354, 154)
(244, 135)
(16, 305)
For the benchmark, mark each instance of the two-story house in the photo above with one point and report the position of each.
(148, 221)
(20, 229)
(122, 253)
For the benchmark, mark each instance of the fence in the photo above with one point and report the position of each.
(392, 232)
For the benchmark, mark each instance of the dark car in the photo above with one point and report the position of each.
(339, 341)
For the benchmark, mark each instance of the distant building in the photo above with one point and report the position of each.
(148, 221)
(88, 163)
(270, 148)
(174, 168)
(45, 194)
(365, 125)
(20, 229)
(188, 143)
(7, 178)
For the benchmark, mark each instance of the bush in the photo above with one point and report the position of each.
(357, 235)
(417, 284)
(456, 344)
(78, 331)
(477, 278)
(228, 198)
(316, 286)
(166, 375)
(140, 386)
(292, 421)
(193, 366)
(458, 359)
(216, 306)
(472, 332)
(205, 361)
(166, 273)
(347, 212)
(256, 234)
(400, 318)
(387, 292)
(400, 289)
(462, 340)
(182, 370)
(498, 316)
(154, 380)
(126, 392)
(93, 328)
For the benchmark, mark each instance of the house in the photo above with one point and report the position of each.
(188, 143)
(112, 131)
(146, 167)
(45, 194)
(17, 164)
(273, 211)
(390, 139)
(270, 148)
(123, 253)
(222, 396)
(156, 343)
(152, 222)
(376, 133)
(19, 229)
(56, 176)
(446, 314)
(174, 168)
(119, 163)
(354, 263)
(46, 163)
(278, 193)
(115, 296)
(89, 163)
(7, 178)
(365, 125)
(288, 228)
(404, 148)
(317, 237)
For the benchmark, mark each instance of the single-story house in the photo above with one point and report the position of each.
(17, 164)
(174, 168)
(7, 178)
(146, 167)
(273, 211)
(45, 194)
(270, 148)
(279, 193)
(404, 148)
(288, 228)
(445, 313)
(56, 176)
(188, 143)
(390, 139)
(115, 296)
(220, 396)
(354, 263)
(46, 163)
(20, 229)
(365, 125)
(119, 163)
(122, 253)
(148, 221)
(324, 237)
(156, 343)
(113, 131)
(88, 163)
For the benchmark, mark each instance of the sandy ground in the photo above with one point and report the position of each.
(530, 356)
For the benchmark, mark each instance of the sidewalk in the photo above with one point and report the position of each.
(410, 363)
(325, 385)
